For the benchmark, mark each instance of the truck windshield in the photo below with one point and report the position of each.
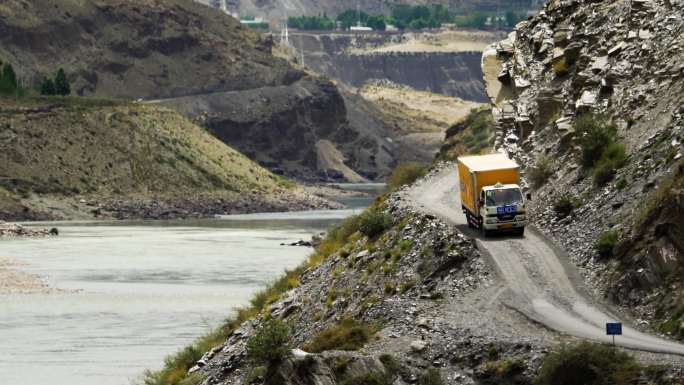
(503, 197)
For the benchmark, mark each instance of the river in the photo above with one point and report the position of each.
(130, 293)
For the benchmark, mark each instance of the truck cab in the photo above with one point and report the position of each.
(502, 208)
(490, 193)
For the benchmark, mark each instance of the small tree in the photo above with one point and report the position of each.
(271, 344)
(8, 80)
(47, 87)
(62, 86)
(594, 133)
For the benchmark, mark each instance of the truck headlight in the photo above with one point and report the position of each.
(521, 217)
(490, 221)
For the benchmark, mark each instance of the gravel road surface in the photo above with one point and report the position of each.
(540, 283)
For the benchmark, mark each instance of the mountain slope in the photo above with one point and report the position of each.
(610, 69)
(80, 158)
(136, 49)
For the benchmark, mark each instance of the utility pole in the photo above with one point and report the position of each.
(301, 48)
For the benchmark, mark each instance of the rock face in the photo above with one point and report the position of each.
(16, 230)
(622, 60)
(450, 73)
(306, 130)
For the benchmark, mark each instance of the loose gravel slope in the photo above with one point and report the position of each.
(539, 283)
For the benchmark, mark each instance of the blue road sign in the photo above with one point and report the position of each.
(614, 328)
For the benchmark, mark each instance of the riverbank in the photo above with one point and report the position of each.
(16, 230)
(108, 282)
(148, 207)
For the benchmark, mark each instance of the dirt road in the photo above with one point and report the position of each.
(540, 284)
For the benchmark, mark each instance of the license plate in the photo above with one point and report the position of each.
(506, 226)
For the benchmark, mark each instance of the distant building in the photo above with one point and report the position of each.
(357, 28)
(391, 28)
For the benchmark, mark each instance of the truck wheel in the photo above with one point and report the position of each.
(520, 231)
(486, 233)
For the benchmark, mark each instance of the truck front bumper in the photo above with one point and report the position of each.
(503, 226)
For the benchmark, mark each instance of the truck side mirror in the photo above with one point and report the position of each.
(481, 202)
(528, 196)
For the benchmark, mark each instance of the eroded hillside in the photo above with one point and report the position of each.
(88, 158)
(137, 49)
(223, 75)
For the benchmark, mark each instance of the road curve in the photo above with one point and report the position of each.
(539, 284)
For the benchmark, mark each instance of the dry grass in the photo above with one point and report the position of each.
(101, 146)
(347, 335)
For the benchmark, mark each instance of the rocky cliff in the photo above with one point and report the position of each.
(342, 57)
(589, 98)
(307, 130)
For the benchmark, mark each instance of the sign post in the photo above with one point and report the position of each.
(614, 329)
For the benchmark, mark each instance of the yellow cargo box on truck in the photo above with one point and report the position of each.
(491, 197)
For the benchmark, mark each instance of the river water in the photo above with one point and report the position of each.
(131, 293)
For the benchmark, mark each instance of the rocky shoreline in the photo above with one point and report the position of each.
(17, 230)
(190, 206)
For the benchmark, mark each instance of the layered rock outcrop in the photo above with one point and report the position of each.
(614, 60)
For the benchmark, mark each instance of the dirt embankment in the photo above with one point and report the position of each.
(419, 119)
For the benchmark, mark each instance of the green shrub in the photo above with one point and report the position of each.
(673, 325)
(541, 171)
(372, 378)
(275, 289)
(271, 344)
(613, 158)
(374, 222)
(430, 377)
(588, 364)
(606, 243)
(603, 173)
(390, 289)
(600, 148)
(594, 134)
(492, 353)
(405, 174)
(347, 335)
(503, 368)
(392, 366)
(565, 205)
(256, 375)
(408, 285)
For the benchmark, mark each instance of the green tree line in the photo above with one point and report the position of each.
(10, 86)
(409, 17)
